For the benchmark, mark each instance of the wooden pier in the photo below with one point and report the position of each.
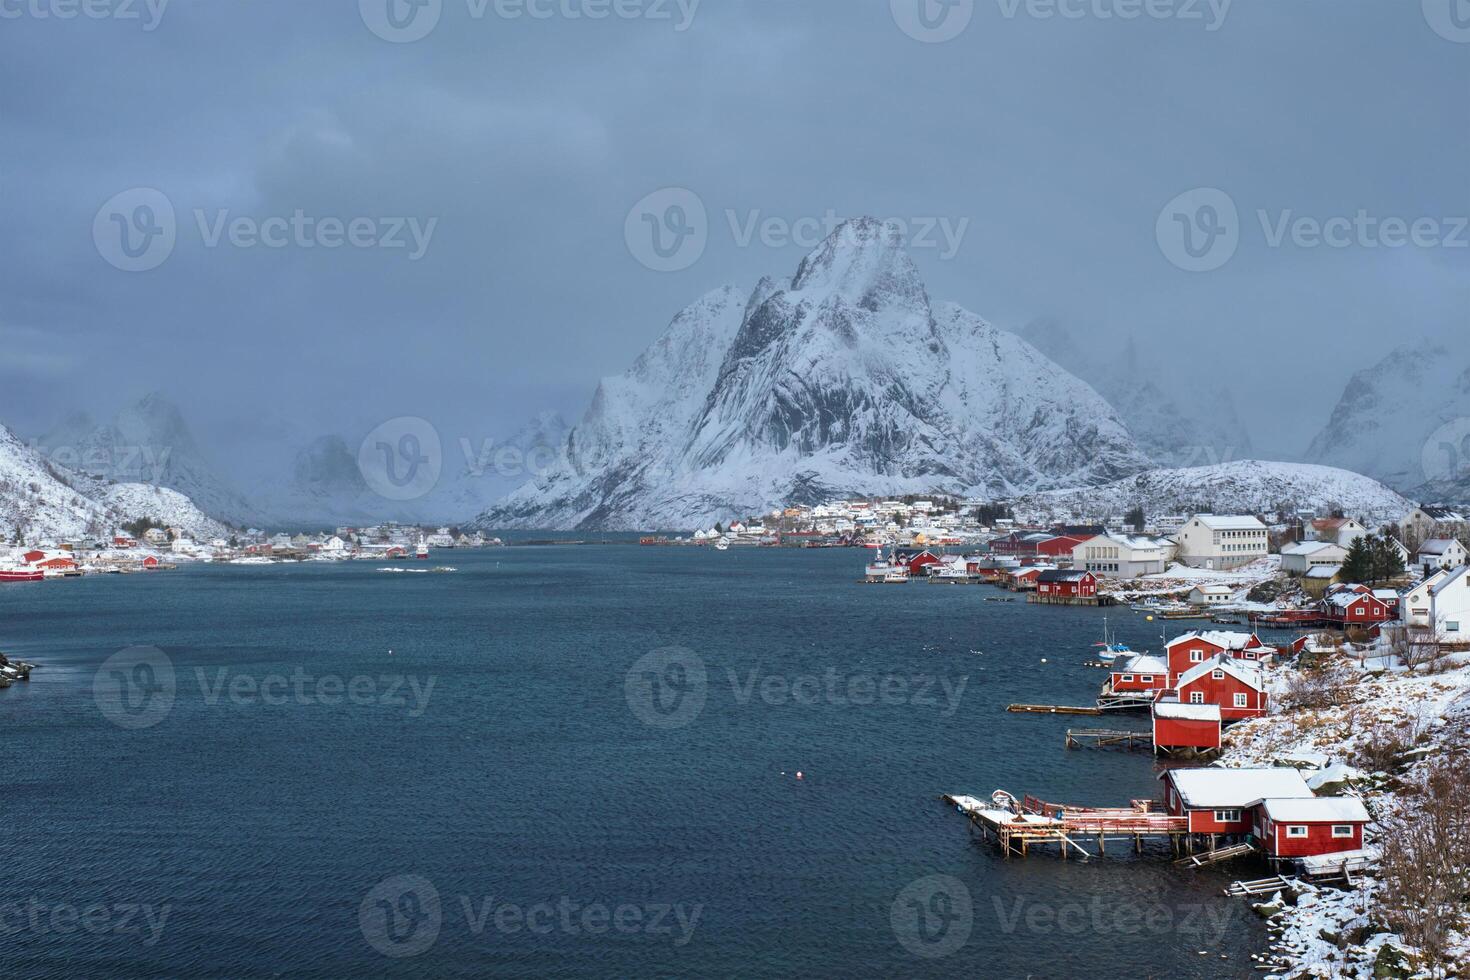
(1054, 709)
(1217, 855)
(1071, 600)
(1105, 738)
(1019, 827)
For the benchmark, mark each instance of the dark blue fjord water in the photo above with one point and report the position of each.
(535, 813)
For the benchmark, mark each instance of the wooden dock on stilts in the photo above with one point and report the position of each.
(1217, 855)
(1017, 827)
(1103, 738)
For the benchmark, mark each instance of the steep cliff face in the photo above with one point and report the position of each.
(842, 380)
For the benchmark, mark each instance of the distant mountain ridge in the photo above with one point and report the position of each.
(842, 380)
(1405, 421)
(148, 442)
(41, 500)
(1241, 487)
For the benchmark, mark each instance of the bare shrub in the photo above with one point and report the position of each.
(1426, 861)
(1317, 688)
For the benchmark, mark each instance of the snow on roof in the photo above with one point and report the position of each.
(1385, 595)
(1342, 600)
(1239, 669)
(1212, 589)
(1230, 522)
(1437, 546)
(1325, 571)
(1232, 788)
(1309, 547)
(1224, 639)
(1063, 575)
(1186, 712)
(1142, 664)
(1317, 809)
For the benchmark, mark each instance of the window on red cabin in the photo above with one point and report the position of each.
(1342, 830)
(1127, 678)
(1197, 697)
(1196, 656)
(1240, 701)
(1296, 831)
(1227, 816)
(1146, 679)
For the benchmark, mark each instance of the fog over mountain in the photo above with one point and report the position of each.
(1053, 140)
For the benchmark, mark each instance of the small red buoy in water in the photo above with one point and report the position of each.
(799, 775)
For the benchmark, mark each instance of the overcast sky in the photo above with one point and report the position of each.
(517, 147)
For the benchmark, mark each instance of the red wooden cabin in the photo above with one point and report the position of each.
(1186, 726)
(1190, 649)
(1237, 687)
(1220, 801)
(1070, 583)
(1290, 828)
(915, 560)
(1139, 674)
(1352, 608)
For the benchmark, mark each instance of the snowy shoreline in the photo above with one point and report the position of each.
(1329, 931)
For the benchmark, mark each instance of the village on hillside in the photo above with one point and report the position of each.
(146, 546)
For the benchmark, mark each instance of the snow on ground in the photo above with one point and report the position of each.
(1181, 578)
(1332, 932)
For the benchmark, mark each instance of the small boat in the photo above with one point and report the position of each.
(422, 551)
(16, 574)
(1110, 649)
(722, 544)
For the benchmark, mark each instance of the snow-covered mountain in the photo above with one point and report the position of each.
(148, 442)
(40, 500)
(842, 380)
(1405, 421)
(1241, 487)
(1203, 429)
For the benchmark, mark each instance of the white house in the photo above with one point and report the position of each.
(1338, 530)
(1302, 557)
(1437, 554)
(1121, 555)
(1221, 541)
(1440, 603)
(1209, 595)
(1427, 521)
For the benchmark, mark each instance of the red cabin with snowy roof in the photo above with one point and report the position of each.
(1189, 650)
(915, 560)
(1070, 583)
(1139, 674)
(1292, 828)
(1186, 726)
(1237, 687)
(1354, 608)
(1221, 801)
